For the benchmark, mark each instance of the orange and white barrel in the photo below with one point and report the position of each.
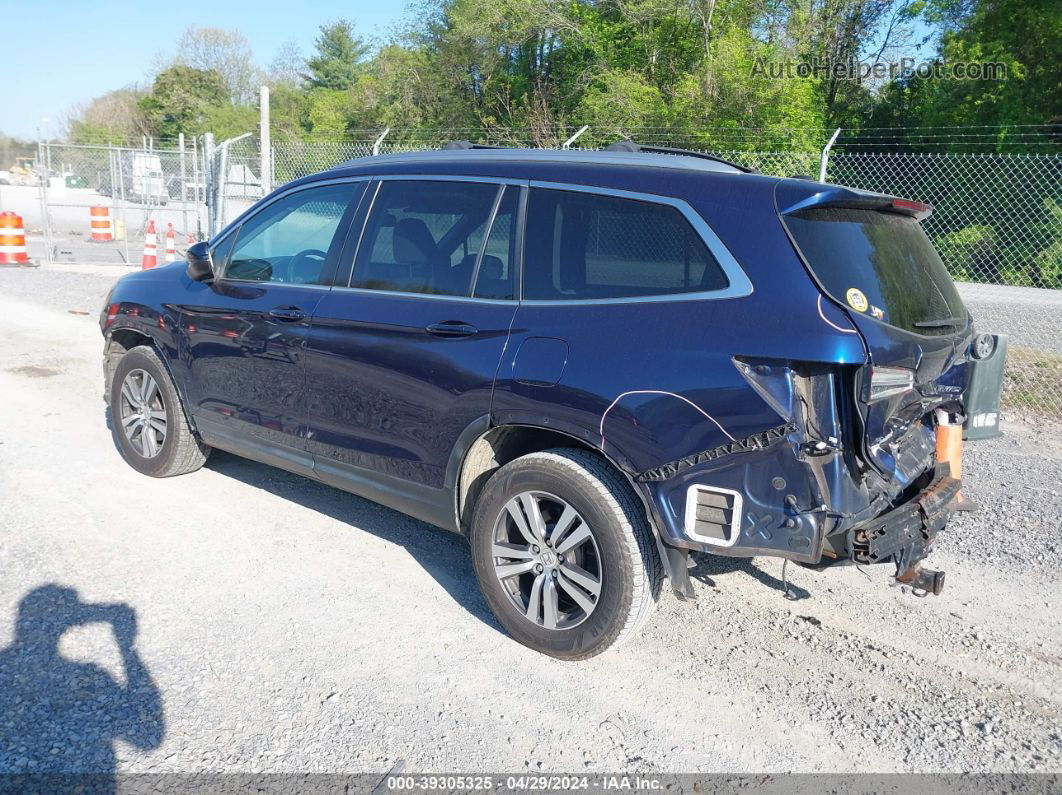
(151, 241)
(100, 220)
(171, 244)
(12, 240)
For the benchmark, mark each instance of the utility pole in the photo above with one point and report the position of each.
(265, 150)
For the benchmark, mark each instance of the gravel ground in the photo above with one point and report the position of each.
(70, 289)
(244, 619)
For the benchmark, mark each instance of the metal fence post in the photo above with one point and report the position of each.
(379, 140)
(196, 181)
(184, 193)
(42, 178)
(567, 144)
(209, 181)
(826, 154)
(114, 161)
(264, 145)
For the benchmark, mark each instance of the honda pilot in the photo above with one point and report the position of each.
(590, 364)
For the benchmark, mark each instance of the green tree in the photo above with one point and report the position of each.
(338, 61)
(1023, 36)
(114, 117)
(182, 99)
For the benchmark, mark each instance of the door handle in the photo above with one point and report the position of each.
(288, 314)
(451, 328)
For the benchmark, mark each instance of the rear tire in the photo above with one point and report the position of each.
(148, 423)
(564, 554)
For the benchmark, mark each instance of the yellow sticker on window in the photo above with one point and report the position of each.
(857, 300)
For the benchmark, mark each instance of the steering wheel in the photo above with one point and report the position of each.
(297, 261)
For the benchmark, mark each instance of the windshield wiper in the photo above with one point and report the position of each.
(949, 321)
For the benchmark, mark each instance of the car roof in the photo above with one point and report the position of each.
(459, 157)
(637, 170)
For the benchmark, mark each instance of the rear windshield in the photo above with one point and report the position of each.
(881, 264)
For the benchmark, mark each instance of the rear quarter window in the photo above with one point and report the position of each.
(589, 246)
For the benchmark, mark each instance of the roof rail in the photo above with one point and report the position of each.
(469, 145)
(631, 146)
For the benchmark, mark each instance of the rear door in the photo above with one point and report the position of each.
(402, 354)
(245, 332)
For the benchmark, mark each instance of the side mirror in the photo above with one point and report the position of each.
(200, 267)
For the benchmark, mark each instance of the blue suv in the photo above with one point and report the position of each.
(589, 363)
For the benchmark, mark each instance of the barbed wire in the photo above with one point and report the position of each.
(1026, 136)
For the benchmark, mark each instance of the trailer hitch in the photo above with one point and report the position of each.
(926, 580)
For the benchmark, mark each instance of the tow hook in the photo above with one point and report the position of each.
(925, 580)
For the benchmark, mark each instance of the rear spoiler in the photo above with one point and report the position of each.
(838, 196)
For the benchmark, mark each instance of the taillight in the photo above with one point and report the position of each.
(913, 207)
(112, 313)
(886, 382)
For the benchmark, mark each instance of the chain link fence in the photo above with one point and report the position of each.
(236, 168)
(997, 223)
(997, 219)
(122, 188)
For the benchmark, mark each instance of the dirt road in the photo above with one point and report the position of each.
(288, 627)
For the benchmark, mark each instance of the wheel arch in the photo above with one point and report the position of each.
(120, 341)
(117, 343)
(493, 446)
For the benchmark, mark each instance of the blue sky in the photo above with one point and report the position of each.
(59, 53)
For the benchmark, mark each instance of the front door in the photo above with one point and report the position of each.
(245, 333)
(401, 359)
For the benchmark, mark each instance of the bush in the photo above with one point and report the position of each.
(970, 254)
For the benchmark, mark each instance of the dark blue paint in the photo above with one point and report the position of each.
(361, 386)
(244, 364)
(385, 394)
(540, 361)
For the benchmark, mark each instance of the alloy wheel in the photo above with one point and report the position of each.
(142, 413)
(547, 560)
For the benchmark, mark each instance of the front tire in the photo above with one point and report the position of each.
(564, 554)
(148, 423)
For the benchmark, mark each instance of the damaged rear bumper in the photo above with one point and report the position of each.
(906, 533)
(805, 490)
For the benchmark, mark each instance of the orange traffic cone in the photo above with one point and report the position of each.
(12, 240)
(151, 240)
(171, 244)
(100, 221)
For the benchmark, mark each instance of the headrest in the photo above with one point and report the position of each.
(413, 243)
(491, 267)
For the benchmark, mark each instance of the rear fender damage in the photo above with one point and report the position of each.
(802, 487)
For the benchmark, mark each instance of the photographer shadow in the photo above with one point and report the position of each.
(60, 716)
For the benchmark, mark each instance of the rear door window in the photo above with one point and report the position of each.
(495, 277)
(589, 246)
(424, 236)
(880, 264)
